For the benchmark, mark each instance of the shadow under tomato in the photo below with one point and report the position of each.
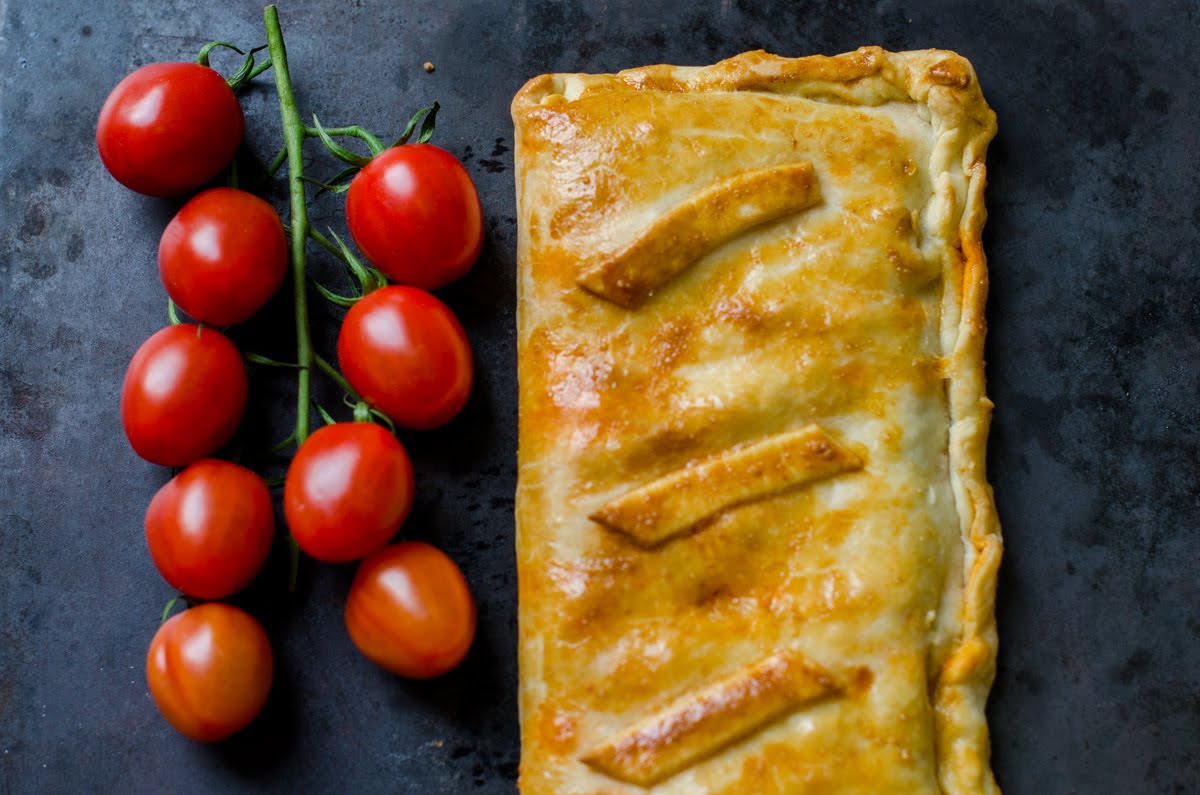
(461, 694)
(484, 302)
(264, 745)
(479, 700)
(460, 447)
(488, 291)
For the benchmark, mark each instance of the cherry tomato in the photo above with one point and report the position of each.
(348, 490)
(410, 611)
(210, 528)
(405, 353)
(414, 212)
(168, 128)
(210, 670)
(223, 255)
(184, 395)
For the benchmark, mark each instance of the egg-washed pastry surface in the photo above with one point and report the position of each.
(757, 551)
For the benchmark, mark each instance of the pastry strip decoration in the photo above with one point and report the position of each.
(681, 500)
(687, 232)
(700, 724)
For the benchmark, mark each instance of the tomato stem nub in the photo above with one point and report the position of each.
(362, 412)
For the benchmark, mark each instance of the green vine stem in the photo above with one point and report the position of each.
(427, 118)
(258, 70)
(166, 613)
(362, 412)
(353, 131)
(369, 279)
(328, 245)
(339, 151)
(203, 56)
(294, 134)
(325, 415)
(277, 161)
(336, 377)
(266, 361)
(243, 75)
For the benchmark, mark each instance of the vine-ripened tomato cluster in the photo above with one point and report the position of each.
(170, 129)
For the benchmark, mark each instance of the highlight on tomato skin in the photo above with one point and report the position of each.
(210, 528)
(210, 670)
(184, 395)
(223, 256)
(407, 355)
(347, 492)
(410, 611)
(168, 128)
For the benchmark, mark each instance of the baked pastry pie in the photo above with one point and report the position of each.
(757, 551)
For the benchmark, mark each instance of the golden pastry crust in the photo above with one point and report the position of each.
(694, 600)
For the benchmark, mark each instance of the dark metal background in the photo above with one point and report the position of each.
(1094, 362)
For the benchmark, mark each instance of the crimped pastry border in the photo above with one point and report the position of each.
(946, 84)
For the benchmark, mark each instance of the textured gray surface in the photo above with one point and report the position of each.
(1094, 361)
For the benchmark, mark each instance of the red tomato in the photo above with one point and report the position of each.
(223, 255)
(184, 395)
(405, 353)
(347, 492)
(410, 611)
(414, 212)
(210, 671)
(210, 528)
(168, 128)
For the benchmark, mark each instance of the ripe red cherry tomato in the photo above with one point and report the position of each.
(184, 395)
(223, 255)
(210, 670)
(210, 528)
(414, 212)
(348, 490)
(410, 611)
(405, 353)
(168, 128)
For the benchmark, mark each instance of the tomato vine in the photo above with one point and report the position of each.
(221, 258)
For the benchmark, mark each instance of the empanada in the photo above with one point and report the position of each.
(757, 551)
